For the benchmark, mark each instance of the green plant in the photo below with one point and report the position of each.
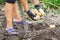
(2, 1)
(52, 3)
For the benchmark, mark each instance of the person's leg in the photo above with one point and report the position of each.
(16, 16)
(8, 14)
(30, 14)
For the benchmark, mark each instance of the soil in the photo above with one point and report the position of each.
(37, 31)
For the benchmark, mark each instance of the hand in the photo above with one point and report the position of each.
(35, 12)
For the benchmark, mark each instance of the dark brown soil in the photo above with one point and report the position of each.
(38, 31)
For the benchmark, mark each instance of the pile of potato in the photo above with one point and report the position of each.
(38, 13)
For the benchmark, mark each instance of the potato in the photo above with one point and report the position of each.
(42, 12)
(33, 11)
(37, 17)
(36, 11)
(52, 26)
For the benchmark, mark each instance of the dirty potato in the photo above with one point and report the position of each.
(42, 12)
(52, 26)
(37, 17)
(37, 13)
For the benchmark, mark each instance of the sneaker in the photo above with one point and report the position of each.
(18, 22)
(11, 31)
(22, 22)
